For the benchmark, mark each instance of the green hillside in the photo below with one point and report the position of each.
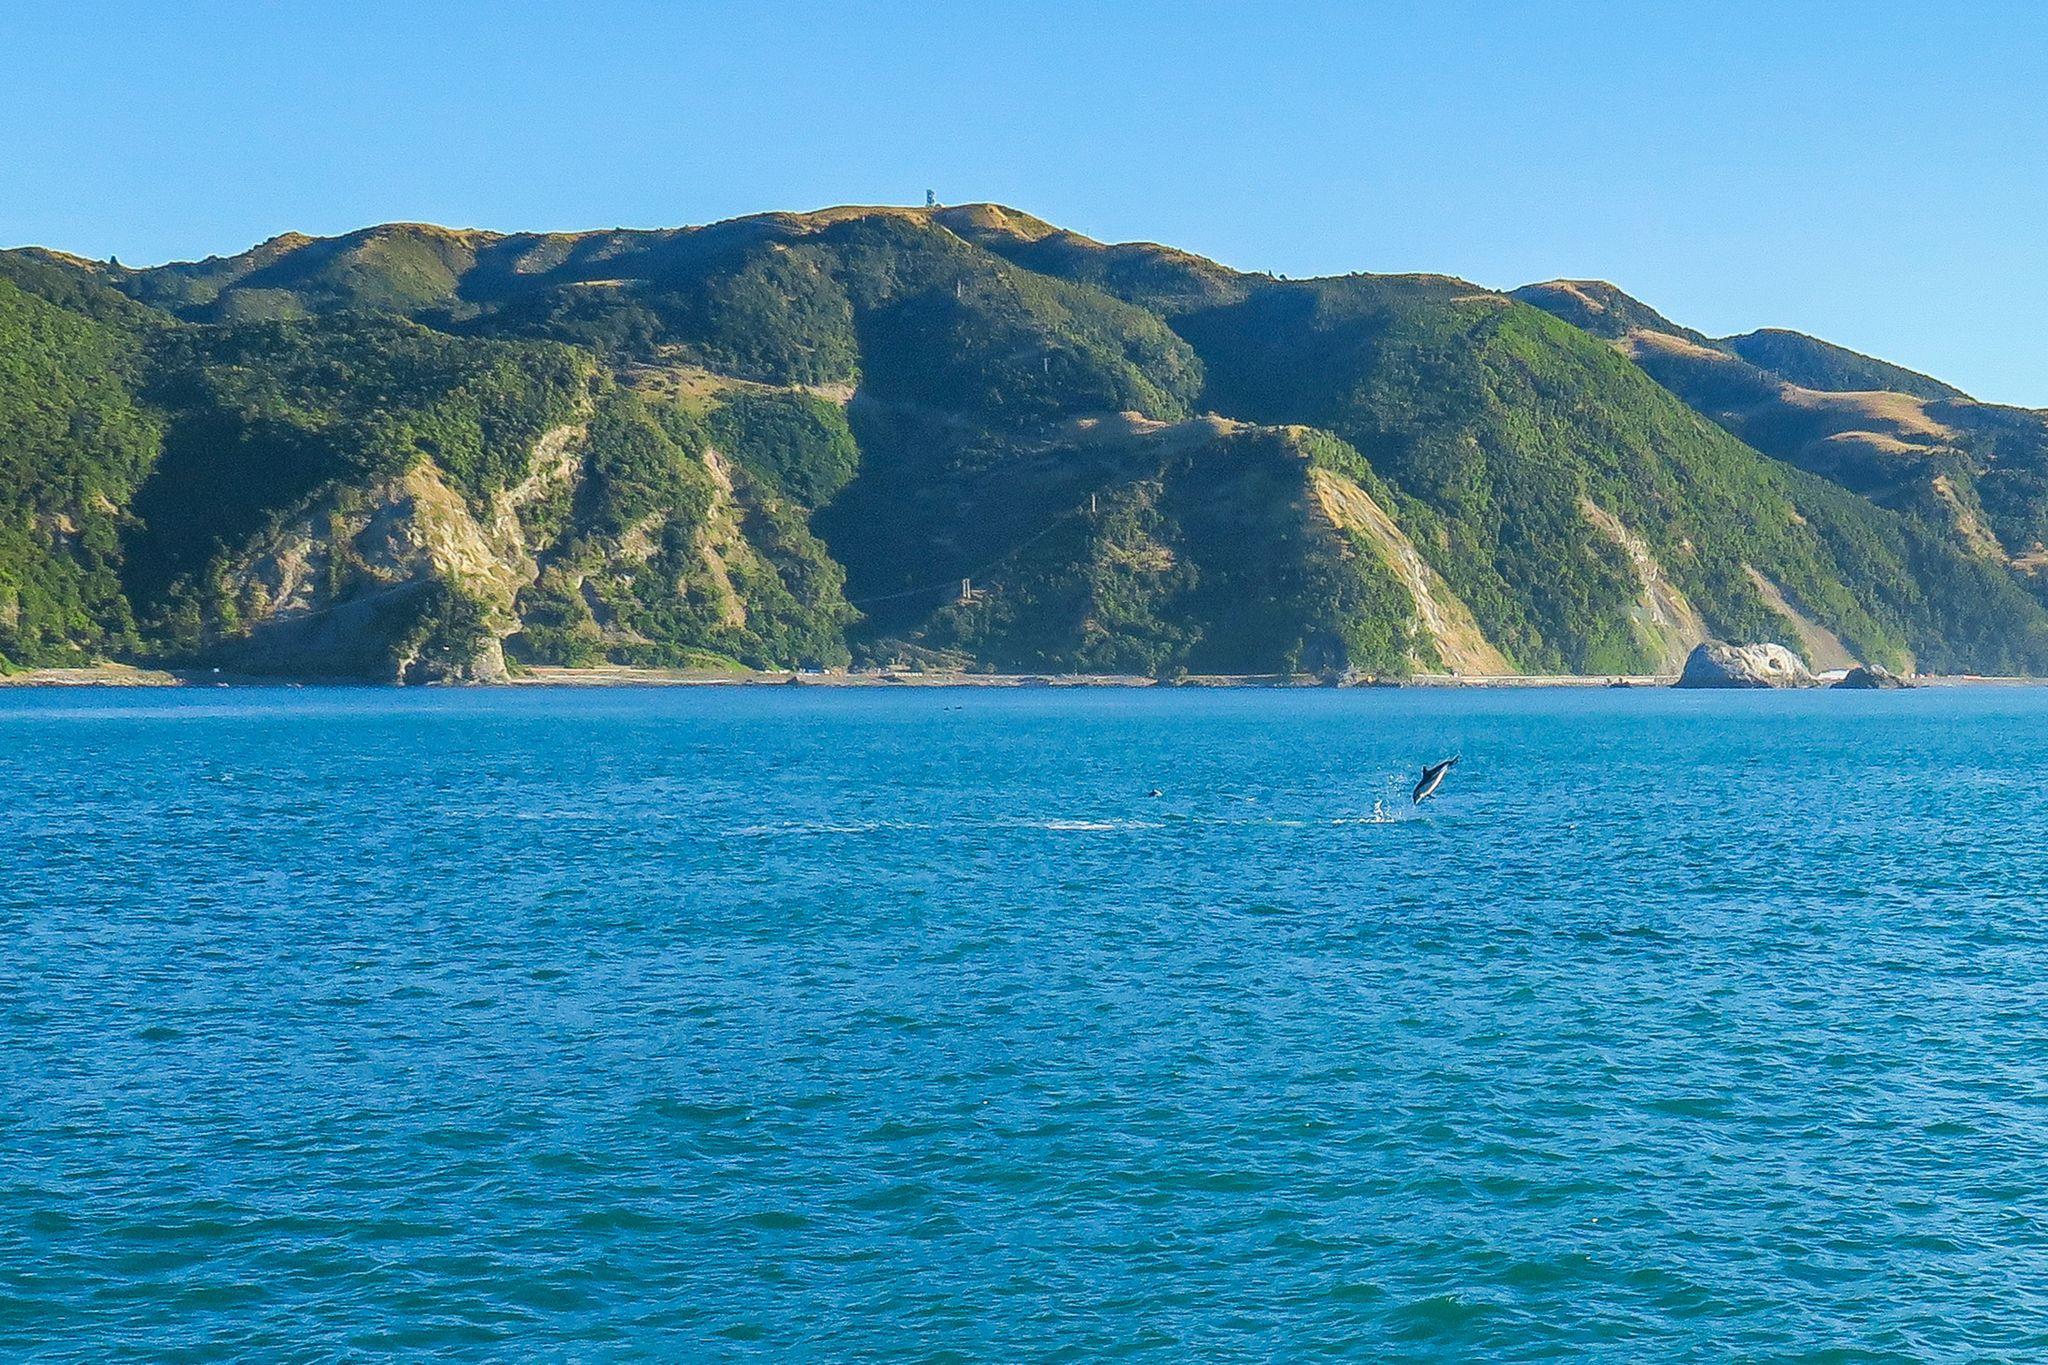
(74, 445)
(961, 436)
(1495, 426)
(1972, 475)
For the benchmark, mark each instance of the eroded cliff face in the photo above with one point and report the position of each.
(1455, 641)
(626, 537)
(1664, 619)
(1118, 544)
(355, 584)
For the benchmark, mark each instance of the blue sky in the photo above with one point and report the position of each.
(1873, 173)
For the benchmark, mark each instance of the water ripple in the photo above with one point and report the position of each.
(712, 1024)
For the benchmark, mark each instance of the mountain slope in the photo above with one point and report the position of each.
(959, 435)
(1811, 363)
(1975, 472)
(1499, 430)
(74, 444)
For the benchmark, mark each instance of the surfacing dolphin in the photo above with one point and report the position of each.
(1432, 778)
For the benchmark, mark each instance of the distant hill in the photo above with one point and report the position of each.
(1812, 363)
(1978, 471)
(961, 436)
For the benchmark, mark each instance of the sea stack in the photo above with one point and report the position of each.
(1719, 664)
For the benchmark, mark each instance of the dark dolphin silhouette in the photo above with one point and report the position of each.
(1432, 778)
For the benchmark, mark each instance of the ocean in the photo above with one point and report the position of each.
(719, 1023)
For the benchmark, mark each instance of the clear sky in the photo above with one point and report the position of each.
(1871, 172)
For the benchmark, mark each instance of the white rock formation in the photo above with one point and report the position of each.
(1719, 664)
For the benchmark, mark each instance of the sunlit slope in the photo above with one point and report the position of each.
(1500, 428)
(413, 452)
(1976, 474)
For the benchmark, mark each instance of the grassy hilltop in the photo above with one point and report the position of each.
(417, 454)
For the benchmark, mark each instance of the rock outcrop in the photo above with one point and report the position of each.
(1719, 664)
(1872, 677)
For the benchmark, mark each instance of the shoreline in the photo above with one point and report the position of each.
(111, 675)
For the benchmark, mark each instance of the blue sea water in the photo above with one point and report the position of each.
(788, 1022)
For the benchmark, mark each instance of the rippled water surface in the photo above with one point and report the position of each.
(789, 1022)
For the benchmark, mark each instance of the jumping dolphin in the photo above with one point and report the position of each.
(1432, 778)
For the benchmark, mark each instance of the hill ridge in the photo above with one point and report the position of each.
(785, 439)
